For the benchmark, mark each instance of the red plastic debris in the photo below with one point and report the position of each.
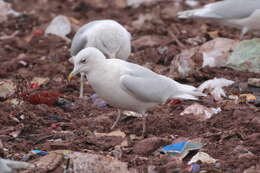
(34, 85)
(174, 102)
(38, 32)
(43, 97)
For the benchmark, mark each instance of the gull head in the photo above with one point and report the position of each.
(86, 60)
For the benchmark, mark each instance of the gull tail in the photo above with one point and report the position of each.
(197, 13)
(186, 92)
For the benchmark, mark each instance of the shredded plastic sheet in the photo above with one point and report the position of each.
(201, 112)
(215, 87)
(246, 56)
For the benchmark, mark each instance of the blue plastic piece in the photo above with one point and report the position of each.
(39, 152)
(195, 168)
(176, 147)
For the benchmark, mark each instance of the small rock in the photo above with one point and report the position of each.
(104, 142)
(60, 145)
(49, 162)
(146, 146)
(93, 163)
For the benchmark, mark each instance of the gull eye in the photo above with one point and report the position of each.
(83, 61)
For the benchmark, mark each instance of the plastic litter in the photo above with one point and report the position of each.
(7, 88)
(191, 3)
(246, 56)
(194, 168)
(216, 52)
(174, 102)
(132, 114)
(62, 101)
(34, 153)
(5, 10)
(243, 98)
(59, 26)
(203, 157)
(215, 87)
(38, 81)
(250, 98)
(98, 102)
(39, 152)
(43, 97)
(200, 112)
(14, 101)
(180, 149)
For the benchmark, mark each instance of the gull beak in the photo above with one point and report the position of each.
(70, 76)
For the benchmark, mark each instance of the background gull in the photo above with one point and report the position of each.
(243, 14)
(108, 36)
(128, 86)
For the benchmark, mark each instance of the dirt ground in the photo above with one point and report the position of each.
(50, 127)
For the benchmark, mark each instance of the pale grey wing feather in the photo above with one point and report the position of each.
(78, 41)
(146, 89)
(144, 84)
(234, 9)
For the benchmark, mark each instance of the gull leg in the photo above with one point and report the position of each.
(81, 85)
(243, 32)
(144, 125)
(117, 119)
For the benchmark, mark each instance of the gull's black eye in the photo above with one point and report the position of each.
(83, 61)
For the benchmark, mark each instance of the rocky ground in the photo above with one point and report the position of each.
(226, 136)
